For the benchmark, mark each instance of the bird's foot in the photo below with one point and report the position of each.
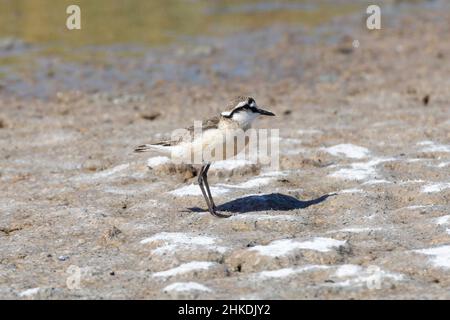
(214, 212)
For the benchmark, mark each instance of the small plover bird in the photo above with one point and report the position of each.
(215, 134)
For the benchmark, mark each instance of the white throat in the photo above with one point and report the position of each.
(245, 119)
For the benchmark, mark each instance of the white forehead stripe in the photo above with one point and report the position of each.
(240, 104)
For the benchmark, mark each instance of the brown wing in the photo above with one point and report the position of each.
(206, 125)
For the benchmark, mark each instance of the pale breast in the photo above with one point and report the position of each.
(224, 144)
(213, 145)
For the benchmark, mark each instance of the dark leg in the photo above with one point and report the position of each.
(205, 179)
(204, 173)
(200, 183)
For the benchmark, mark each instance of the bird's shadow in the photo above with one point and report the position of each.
(265, 202)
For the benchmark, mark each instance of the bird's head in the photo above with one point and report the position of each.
(244, 111)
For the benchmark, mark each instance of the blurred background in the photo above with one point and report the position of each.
(119, 45)
(156, 22)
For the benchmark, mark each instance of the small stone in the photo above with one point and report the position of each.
(113, 233)
(112, 237)
(95, 164)
(184, 171)
(345, 49)
(150, 116)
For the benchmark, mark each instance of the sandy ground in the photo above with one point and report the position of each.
(359, 208)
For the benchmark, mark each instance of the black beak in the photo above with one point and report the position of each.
(264, 112)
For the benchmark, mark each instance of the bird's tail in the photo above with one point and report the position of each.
(149, 147)
(143, 148)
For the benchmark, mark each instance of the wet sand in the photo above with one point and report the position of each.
(359, 208)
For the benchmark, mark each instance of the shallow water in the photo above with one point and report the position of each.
(129, 46)
(153, 22)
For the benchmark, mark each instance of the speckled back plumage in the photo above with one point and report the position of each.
(233, 102)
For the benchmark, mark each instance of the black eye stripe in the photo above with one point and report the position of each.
(245, 107)
(242, 108)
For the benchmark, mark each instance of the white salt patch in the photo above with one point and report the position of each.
(253, 183)
(157, 161)
(165, 249)
(381, 181)
(351, 191)
(249, 297)
(291, 140)
(355, 230)
(283, 217)
(309, 131)
(348, 150)
(359, 170)
(447, 230)
(29, 292)
(194, 190)
(372, 276)
(178, 237)
(416, 207)
(389, 123)
(347, 270)
(186, 286)
(185, 268)
(435, 187)
(443, 220)
(321, 244)
(443, 164)
(296, 190)
(280, 273)
(411, 182)
(438, 148)
(230, 164)
(425, 143)
(415, 160)
(430, 146)
(276, 248)
(176, 240)
(441, 255)
(283, 247)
